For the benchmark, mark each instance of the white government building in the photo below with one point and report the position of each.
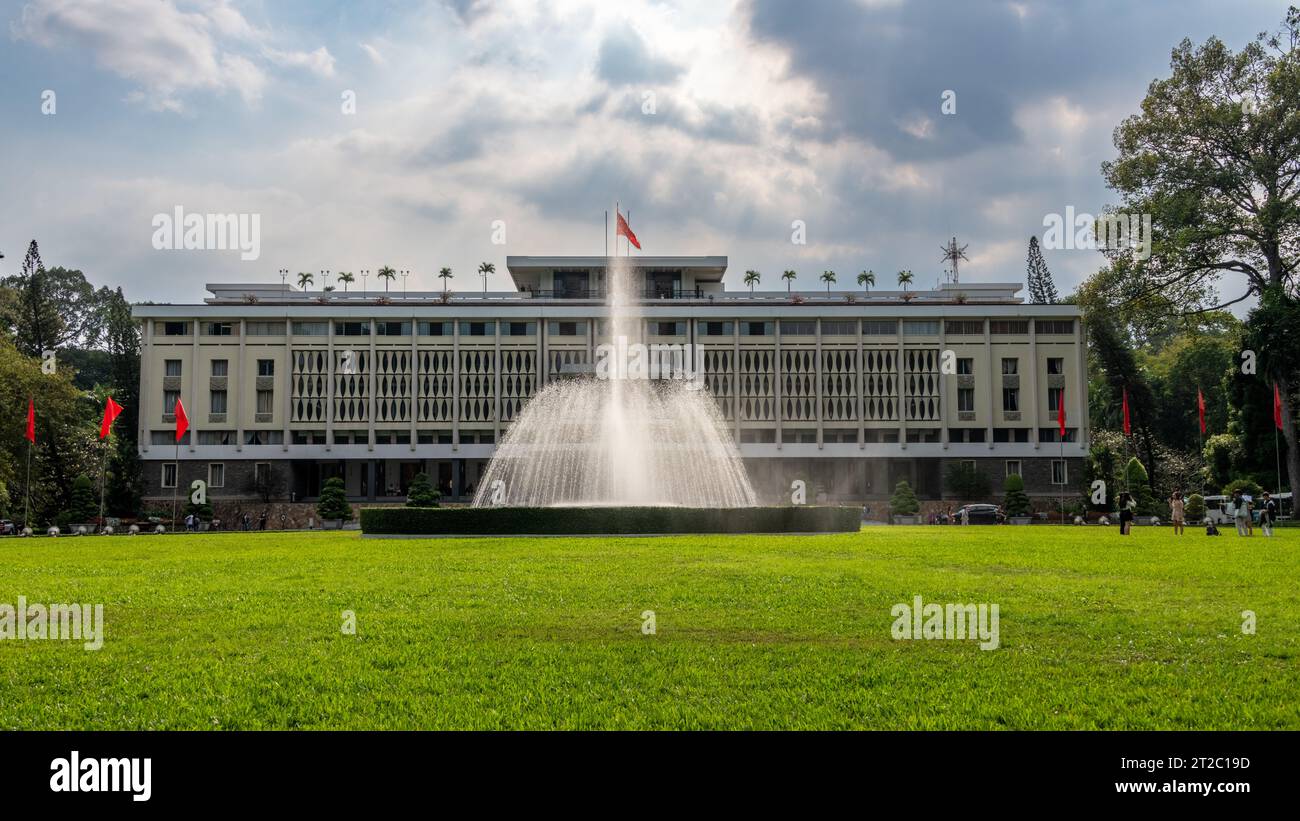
(846, 390)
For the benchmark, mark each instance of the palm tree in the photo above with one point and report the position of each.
(828, 277)
(751, 278)
(788, 276)
(904, 279)
(347, 279)
(867, 279)
(444, 275)
(387, 274)
(305, 279)
(484, 269)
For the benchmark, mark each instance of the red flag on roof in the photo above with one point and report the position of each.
(623, 230)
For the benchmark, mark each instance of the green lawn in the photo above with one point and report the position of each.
(242, 631)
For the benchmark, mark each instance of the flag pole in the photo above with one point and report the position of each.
(177, 483)
(607, 232)
(27, 511)
(103, 463)
(1064, 473)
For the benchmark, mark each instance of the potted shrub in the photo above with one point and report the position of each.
(1194, 510)
(203, 513)
(422, 493)
(903, 506)
(1015, 503)
(332, 506)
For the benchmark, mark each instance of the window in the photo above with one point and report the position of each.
(167, 437)
(1010, 367)
(434, 328)
(802, 327)
(1009, 327)
(965, 366)
(218, 329)
(478, 328)
(1011, 435)
(518, 328)
(1054, 327)
(265, 328)
(265, 401)
(1011, 399)
(352, 328)
(1053, 434)
(216, 474)
(920, 327)
(879, 327)
(843, 436)
(169, 474)
(311, 329)
(1013, 467)
(172, 367)
(964, 327)
(393, 328)
(799, 436)
(216, 437)
(170, 398)
(217, 402)
(966, 434)
(755, 328)
(1059, 473)
(263, 437)
(669, 328)
(1054, 398)
(1055, 365)
(760, 436)
(839, 327)
(176, 328)
(220, 367)
(715, 329)
(923, 435)
(266, 367)
(966, 400)
(262, 474)
(565, 328)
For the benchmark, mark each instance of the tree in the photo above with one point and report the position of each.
(828, 277)
(422, 493)
(751, 279)
(84, 505)
(904, 279)
(1247, 486)
(203, 512)
(305, 279)
(1194, 510)
(1015, 502)
(903, 502)
(124, 483)
(1042, 291)
(1223, 458)
(789, 277)
(867, 279)
(1139, 486)
(387, 274)
(50, 310)
(965, 481)
(444, 275)
(333, 502)
(484, 269)
(1214, 160)
(347, 279)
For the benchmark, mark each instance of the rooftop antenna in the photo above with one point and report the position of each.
(952, 254)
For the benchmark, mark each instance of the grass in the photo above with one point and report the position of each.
(242, 631)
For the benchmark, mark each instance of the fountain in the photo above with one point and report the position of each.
(618, 438)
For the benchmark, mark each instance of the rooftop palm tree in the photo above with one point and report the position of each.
(751, 278)
(904, 279)
(387, 274)
(444, 275)
(828, 277)
(867, 279)
(305, 279)
(347, 279)
(788, 276)
(484, 269)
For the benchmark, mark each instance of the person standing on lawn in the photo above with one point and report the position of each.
(1176, 511)
(1126, 506)
(1267, 513)
(1241, 513)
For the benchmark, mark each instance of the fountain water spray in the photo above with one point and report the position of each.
(620, 439)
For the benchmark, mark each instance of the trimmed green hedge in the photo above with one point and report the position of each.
(521, 521)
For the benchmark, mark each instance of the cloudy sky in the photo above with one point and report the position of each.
(717, 124)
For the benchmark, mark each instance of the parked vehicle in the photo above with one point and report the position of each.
(7, 528)
(1218, 509)
(977, 514)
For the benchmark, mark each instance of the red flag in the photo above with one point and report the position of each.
(623, 230)
(1277, 407)
(1060, 413)
(1128, 427)
(1200, 409)
(182, 421)
(31, 420)
(111, 411)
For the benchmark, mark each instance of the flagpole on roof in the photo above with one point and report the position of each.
(31, 442)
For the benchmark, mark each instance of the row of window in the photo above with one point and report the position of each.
(217, 474)
(789, 327)
(220, 367)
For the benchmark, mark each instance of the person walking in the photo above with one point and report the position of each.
(1241, 513)
(1176, 511)
(1267, 513)
(1126, 506)
(261, 521)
